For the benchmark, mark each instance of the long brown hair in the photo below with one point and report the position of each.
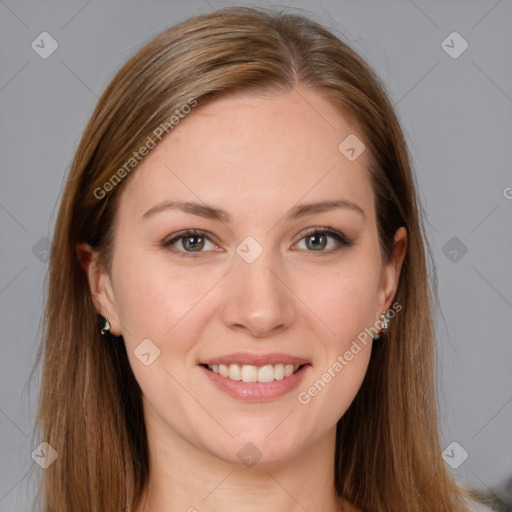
(388, 454)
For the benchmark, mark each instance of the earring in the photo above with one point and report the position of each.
(384, 321)
(106, 326)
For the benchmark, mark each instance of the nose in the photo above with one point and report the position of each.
(257, 298)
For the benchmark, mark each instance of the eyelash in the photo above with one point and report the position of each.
(339, 237)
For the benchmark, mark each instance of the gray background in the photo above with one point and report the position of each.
(456, 113)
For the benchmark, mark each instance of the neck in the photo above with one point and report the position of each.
(183, 477)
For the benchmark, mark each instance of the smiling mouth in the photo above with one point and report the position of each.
(249, 373)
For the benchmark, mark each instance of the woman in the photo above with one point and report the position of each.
(239, 310)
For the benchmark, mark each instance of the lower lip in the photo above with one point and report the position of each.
(257, 391)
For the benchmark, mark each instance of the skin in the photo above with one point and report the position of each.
(255, 157)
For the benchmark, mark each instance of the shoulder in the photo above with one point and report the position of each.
(475, 506)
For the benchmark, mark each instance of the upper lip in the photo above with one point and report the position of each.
(244, 358)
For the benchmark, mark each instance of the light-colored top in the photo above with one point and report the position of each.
(474, 506)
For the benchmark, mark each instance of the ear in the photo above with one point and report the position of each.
(100, 286)
(391, 271)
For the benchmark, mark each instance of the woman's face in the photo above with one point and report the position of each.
(254, 283)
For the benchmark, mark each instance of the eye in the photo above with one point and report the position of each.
(190, 242)
(187, 243)
(317, 239)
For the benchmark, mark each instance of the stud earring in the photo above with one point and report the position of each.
(106, 326)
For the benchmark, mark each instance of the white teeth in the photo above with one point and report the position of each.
(266, 373)
(288, 370)
(279, 371)
(235, 372)
(250, 373)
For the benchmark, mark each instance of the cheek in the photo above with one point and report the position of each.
(344, 300)
(154, 300)
(156, 304)
(345, 303)
(335, 381)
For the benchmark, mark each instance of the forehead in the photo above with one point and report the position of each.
(254, 154)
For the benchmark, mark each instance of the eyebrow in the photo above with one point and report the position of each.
(211, 212)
